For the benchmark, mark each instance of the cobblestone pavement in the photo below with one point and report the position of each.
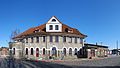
(112, 62)
(12, 63)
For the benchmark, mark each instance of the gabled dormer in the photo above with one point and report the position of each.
(53, 25)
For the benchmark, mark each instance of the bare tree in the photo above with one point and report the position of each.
(14, 34)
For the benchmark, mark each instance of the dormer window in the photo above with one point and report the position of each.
(56, 27)
(53, 20)
(36, 30)
(50, 27)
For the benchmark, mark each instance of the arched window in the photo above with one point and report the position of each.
(26, 52)
(13, 51)
(37, 52)
(54, 51)
(43, 51)
(70, 51)
(53, 20)
(31, 51)
(64, 51)
(75, 51)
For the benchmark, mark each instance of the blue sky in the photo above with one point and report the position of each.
(99, 19)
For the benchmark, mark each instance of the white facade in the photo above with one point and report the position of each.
(51, 42)
(53, 21)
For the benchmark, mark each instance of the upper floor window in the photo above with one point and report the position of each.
(75, 39)
(56, 27)
(26, 40)
(31, 39)
(37, 39)
(53, 20)
(43, 38)
(56, 38)
(70, 39)
(81, 40)
(51, 39)
(50, 27)
(64, 39)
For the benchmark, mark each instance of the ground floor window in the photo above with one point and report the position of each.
(37, 52)
(75, 51)
(70, 51)
(31, 51)
(64, 51)
(43, 51)
(26, 52)
(13, 51)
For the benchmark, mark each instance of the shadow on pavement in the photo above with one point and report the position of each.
(42, 64)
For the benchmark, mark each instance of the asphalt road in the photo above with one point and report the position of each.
(113, 62)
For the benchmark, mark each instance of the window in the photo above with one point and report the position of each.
(75, 39)
(81, 40)
(13, 51)
(31, 39)
(31, 51)
(51, 39)
(64, 51)
(26, 40)
(50, 27)
(56, 27)
(70, 51)
(43, 38)
(70, 39)
(37, 39)
(56, 38)
(75, 51)
(43, 51)
(37, 52)
(53, 20)
(26, 52)
(64, 39)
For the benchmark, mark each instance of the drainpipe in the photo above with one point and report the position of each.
(46, 47)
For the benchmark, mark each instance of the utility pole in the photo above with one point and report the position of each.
(117, 46)
(101, 43)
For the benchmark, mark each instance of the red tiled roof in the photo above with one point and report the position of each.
(42, 29)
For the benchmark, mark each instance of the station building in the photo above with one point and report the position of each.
(50, 39)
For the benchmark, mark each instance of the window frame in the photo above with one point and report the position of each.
(32, 51)
(56, 38)
(50, 27)
(75, 39)
(37, 39)
(44, 39)
(64, 38)
(32, 39)
(56, 27)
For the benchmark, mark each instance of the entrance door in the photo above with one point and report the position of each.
(92, 53)
(54, 51)
(37, 52)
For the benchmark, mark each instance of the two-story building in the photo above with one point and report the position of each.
(50, 39)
